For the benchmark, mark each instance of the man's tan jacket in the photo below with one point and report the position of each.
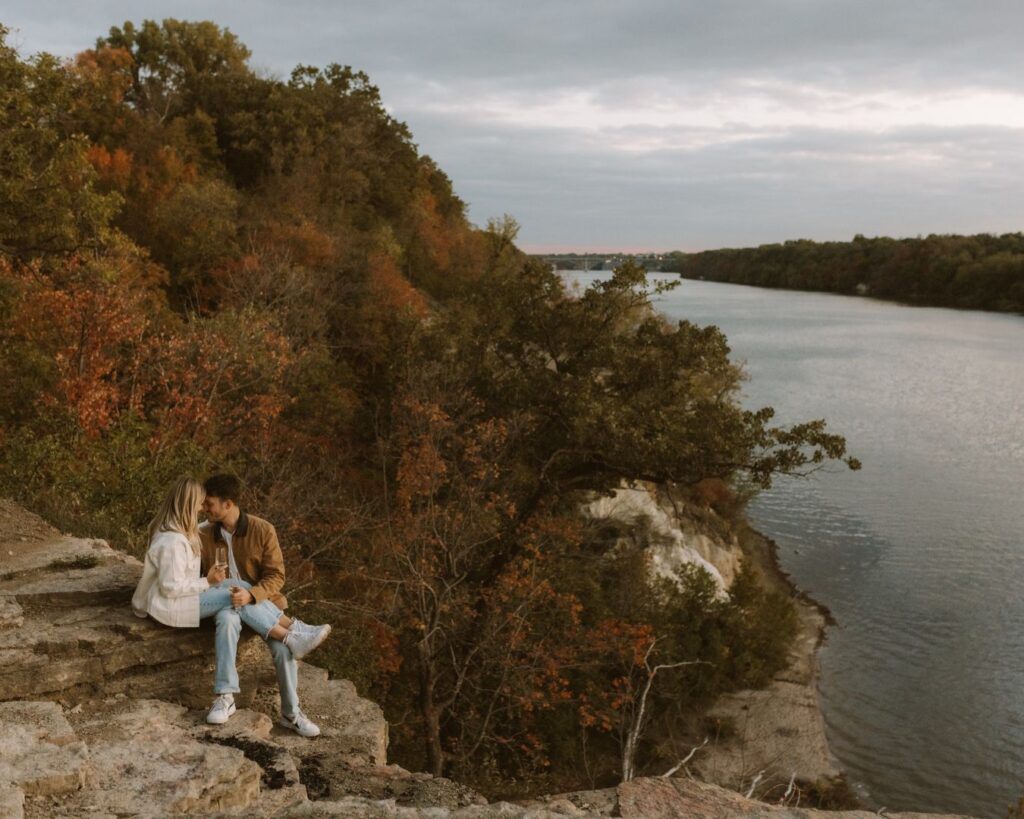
(257, 555)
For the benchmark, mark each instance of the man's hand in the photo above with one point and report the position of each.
(240, 597)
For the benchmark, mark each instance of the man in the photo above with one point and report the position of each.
(254, 557)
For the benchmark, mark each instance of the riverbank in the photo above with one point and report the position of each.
(771, 737)
(980, 272)
(758, 741)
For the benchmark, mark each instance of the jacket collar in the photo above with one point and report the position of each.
(241, 528)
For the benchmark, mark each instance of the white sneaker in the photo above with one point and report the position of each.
(223, 708)
(301, 725)
(301, 642)
(298, 625)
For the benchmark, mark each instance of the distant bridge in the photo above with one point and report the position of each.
(601, 261)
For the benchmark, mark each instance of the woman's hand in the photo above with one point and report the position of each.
(216, 575)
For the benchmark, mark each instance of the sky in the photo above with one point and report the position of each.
(663, 124)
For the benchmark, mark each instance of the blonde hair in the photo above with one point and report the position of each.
(180, 511)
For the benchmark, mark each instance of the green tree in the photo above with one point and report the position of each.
(611, 391)
(176, 63)
(49, 203)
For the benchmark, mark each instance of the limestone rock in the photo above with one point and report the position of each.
(671, 539)
(669, 798)
(383, 782)
(144, 761)
(10, 613)
(249, 732)
(602, 802)
(39, 753)
(356, 808)
(12, 802)
(67, 630)
(352, 728)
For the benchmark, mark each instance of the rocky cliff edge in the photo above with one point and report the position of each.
(102, 715)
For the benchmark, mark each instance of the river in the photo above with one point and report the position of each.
(920, 555)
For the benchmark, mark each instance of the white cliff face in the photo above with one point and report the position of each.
(673, 541)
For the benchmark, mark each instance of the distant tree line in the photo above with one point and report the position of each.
(981, 272)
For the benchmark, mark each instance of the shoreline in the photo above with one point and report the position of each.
(783, 578)
(844, 294)
(776, 734)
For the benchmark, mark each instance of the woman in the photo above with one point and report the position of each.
(171, 589)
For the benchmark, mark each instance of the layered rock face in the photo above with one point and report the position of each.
(671, 542)
(102, 715)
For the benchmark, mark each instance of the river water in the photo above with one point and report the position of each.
(920, 555)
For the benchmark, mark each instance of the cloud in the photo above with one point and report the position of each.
(663, 123)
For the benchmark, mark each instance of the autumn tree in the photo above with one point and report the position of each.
(612, 391)
(562, 395)
(49, 202)
(175, 63)
(204, 267)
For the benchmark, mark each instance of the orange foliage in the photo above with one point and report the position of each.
(432, 230)
(620, 647)
(106, 72)
(85, 326)
(198, 379)
(391, 289)
(114, 167)
(305, 243)
(212, 380)
(162, 173)
(148, 180)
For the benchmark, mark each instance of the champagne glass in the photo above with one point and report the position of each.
(222, 556)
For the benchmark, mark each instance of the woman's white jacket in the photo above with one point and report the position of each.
(171, 582)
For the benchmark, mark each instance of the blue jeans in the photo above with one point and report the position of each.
(261, 618)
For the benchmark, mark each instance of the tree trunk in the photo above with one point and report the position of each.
(430, 713)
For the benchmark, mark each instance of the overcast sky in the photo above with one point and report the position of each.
(663, 124)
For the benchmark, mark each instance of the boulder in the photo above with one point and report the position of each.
(145, 761)
(39, 752)
(352, 728)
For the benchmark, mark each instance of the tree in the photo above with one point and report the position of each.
(611, 391)
(49, 202)
(175, 63)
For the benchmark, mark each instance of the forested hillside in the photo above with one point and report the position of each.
(206, 268)
(983, 272)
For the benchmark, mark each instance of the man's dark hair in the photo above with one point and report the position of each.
(225, 487)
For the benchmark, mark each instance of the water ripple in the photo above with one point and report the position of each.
(921, 554)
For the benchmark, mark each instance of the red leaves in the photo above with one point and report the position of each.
(217, 378)
(617, 649)
(84, 327)
(112, 354)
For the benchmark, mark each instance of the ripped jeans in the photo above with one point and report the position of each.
(261, 618)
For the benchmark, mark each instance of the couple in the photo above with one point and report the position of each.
(244, 576)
